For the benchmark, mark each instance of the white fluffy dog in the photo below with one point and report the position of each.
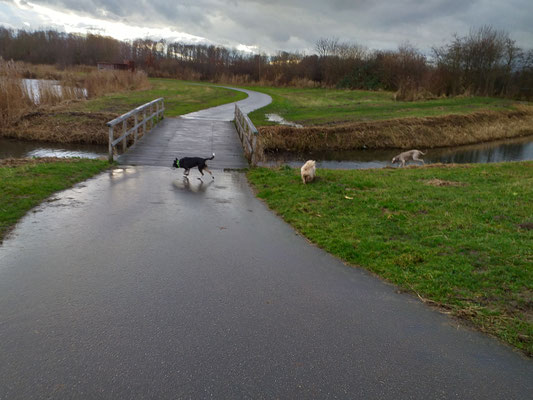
(308, 171)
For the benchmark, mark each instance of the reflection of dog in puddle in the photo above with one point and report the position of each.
(190, 162)
(191, 187)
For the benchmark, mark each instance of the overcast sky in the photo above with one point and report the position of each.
(272, 25)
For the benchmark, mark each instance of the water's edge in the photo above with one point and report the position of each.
(520, 149)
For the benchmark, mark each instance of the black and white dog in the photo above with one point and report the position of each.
(190, 162)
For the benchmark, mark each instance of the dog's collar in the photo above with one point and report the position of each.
(178, 163)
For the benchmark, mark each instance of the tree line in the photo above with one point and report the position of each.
(484, 62)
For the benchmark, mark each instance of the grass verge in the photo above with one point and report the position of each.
(318, 106)
(26, 183)
(460, 237)
(180, 98)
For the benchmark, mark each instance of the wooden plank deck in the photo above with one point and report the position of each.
(183, 137)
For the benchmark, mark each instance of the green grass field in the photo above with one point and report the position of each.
(180, 98)
(24, 186)
(317, 106)
(459, 237)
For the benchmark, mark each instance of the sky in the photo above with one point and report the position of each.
(267, 26)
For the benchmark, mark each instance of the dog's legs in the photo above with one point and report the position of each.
(186, 172)
(210, 173)
(200, 169)
(415, 158)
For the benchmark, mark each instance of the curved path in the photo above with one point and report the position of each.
(138, 284)
(226, 112)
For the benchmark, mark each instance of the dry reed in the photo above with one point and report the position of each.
(429, 132)
(101, 82)
(22, 103)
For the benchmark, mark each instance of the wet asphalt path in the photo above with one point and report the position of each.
(139, 285)
(226, 112)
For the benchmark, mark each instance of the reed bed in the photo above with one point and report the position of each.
(102, 82)
(14, 100)
(22, 104)
(428, 132)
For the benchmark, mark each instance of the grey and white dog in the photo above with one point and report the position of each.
(413, 155)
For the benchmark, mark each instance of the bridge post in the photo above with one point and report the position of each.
(136, 130)
(144, 122)
(110, 146)
(124, 129)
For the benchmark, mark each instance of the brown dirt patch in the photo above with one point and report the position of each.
(440, 182)
(526, 225)
(17, 162)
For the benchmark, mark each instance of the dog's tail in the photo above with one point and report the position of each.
(422, 153)
(210, 158)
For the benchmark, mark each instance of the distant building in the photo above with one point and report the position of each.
(125, 66)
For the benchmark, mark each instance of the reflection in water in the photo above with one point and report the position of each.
(510, 150)
(19, 149)
(33, 88)
(486, 153)
(194, 185)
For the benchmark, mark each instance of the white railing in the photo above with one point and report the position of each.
(153, 117)
(248, 135)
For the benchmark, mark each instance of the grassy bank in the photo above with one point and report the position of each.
(26, 183)
(317, 106)
(459, 237)
(84, 121)
(349, 120)
(180, 98)
(404, 133)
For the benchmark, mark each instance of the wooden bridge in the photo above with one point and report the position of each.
(197, 134)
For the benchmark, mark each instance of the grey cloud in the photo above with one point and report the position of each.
(287, 24)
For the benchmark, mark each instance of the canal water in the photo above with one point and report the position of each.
(19, 149)
(520, 149)
(33, 88)
(509, 150)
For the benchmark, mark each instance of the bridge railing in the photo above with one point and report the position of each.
(247, 134)
(152, 113)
